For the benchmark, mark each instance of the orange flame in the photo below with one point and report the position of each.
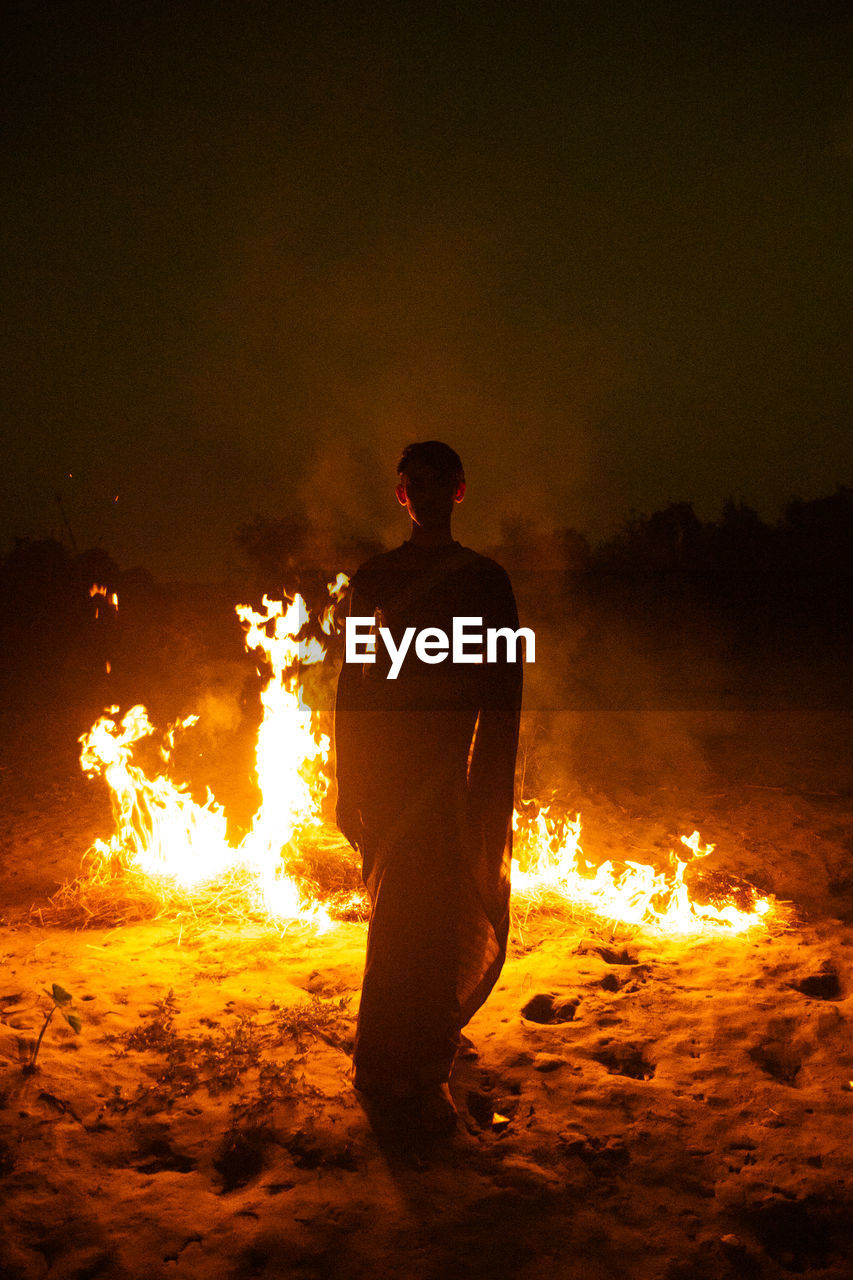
(162, 831)
(550, 850)
(110, 596)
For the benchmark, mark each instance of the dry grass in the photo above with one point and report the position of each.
(108, 893)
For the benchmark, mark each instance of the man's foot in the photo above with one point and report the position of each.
(429, 1112)
(435, 1112)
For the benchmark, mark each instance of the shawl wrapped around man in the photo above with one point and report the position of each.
(427, 763)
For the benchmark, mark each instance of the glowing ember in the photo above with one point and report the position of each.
(110, 596)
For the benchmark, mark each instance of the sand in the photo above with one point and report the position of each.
(686, 1113)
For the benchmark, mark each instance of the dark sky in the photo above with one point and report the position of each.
(251, 250)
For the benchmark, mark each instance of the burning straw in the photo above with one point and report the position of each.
(170, 856)
(107, 894)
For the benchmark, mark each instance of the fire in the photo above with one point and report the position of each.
(162, 831)
(289, 760)
(550, 851)
(110, 596)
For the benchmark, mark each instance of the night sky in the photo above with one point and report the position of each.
(251, 250)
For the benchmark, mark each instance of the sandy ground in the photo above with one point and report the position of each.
(685, 1112)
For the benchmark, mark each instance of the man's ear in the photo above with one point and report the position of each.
(401, 494)
(460, 492)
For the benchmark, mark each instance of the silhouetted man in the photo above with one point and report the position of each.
(426, 753)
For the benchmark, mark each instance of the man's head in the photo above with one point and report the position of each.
(431, 480)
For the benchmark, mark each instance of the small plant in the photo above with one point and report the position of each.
(219, 1060)
(314, 1019)
(61, 1001)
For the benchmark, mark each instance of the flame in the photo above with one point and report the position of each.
(162, 831)
(548, 857)
(110, 596)
(289, 759)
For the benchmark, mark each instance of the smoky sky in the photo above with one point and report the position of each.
(254, 249)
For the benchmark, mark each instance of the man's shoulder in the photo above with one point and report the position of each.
(406, 568)
(486, 564)
(407, 559)
(380, 560)
(381, 566)
(483, 568)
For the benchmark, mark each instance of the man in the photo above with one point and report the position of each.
(425, 772)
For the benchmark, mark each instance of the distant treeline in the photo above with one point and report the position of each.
(808, 550)
(64, 613)
(814, 536)
(668, 592)
(735, 587)
(40, 577)
(810, 537)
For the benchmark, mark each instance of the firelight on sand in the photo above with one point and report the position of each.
(162, 831)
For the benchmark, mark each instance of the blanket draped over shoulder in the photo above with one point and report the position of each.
(426, 764)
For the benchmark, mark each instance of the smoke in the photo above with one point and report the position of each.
(622, 702)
